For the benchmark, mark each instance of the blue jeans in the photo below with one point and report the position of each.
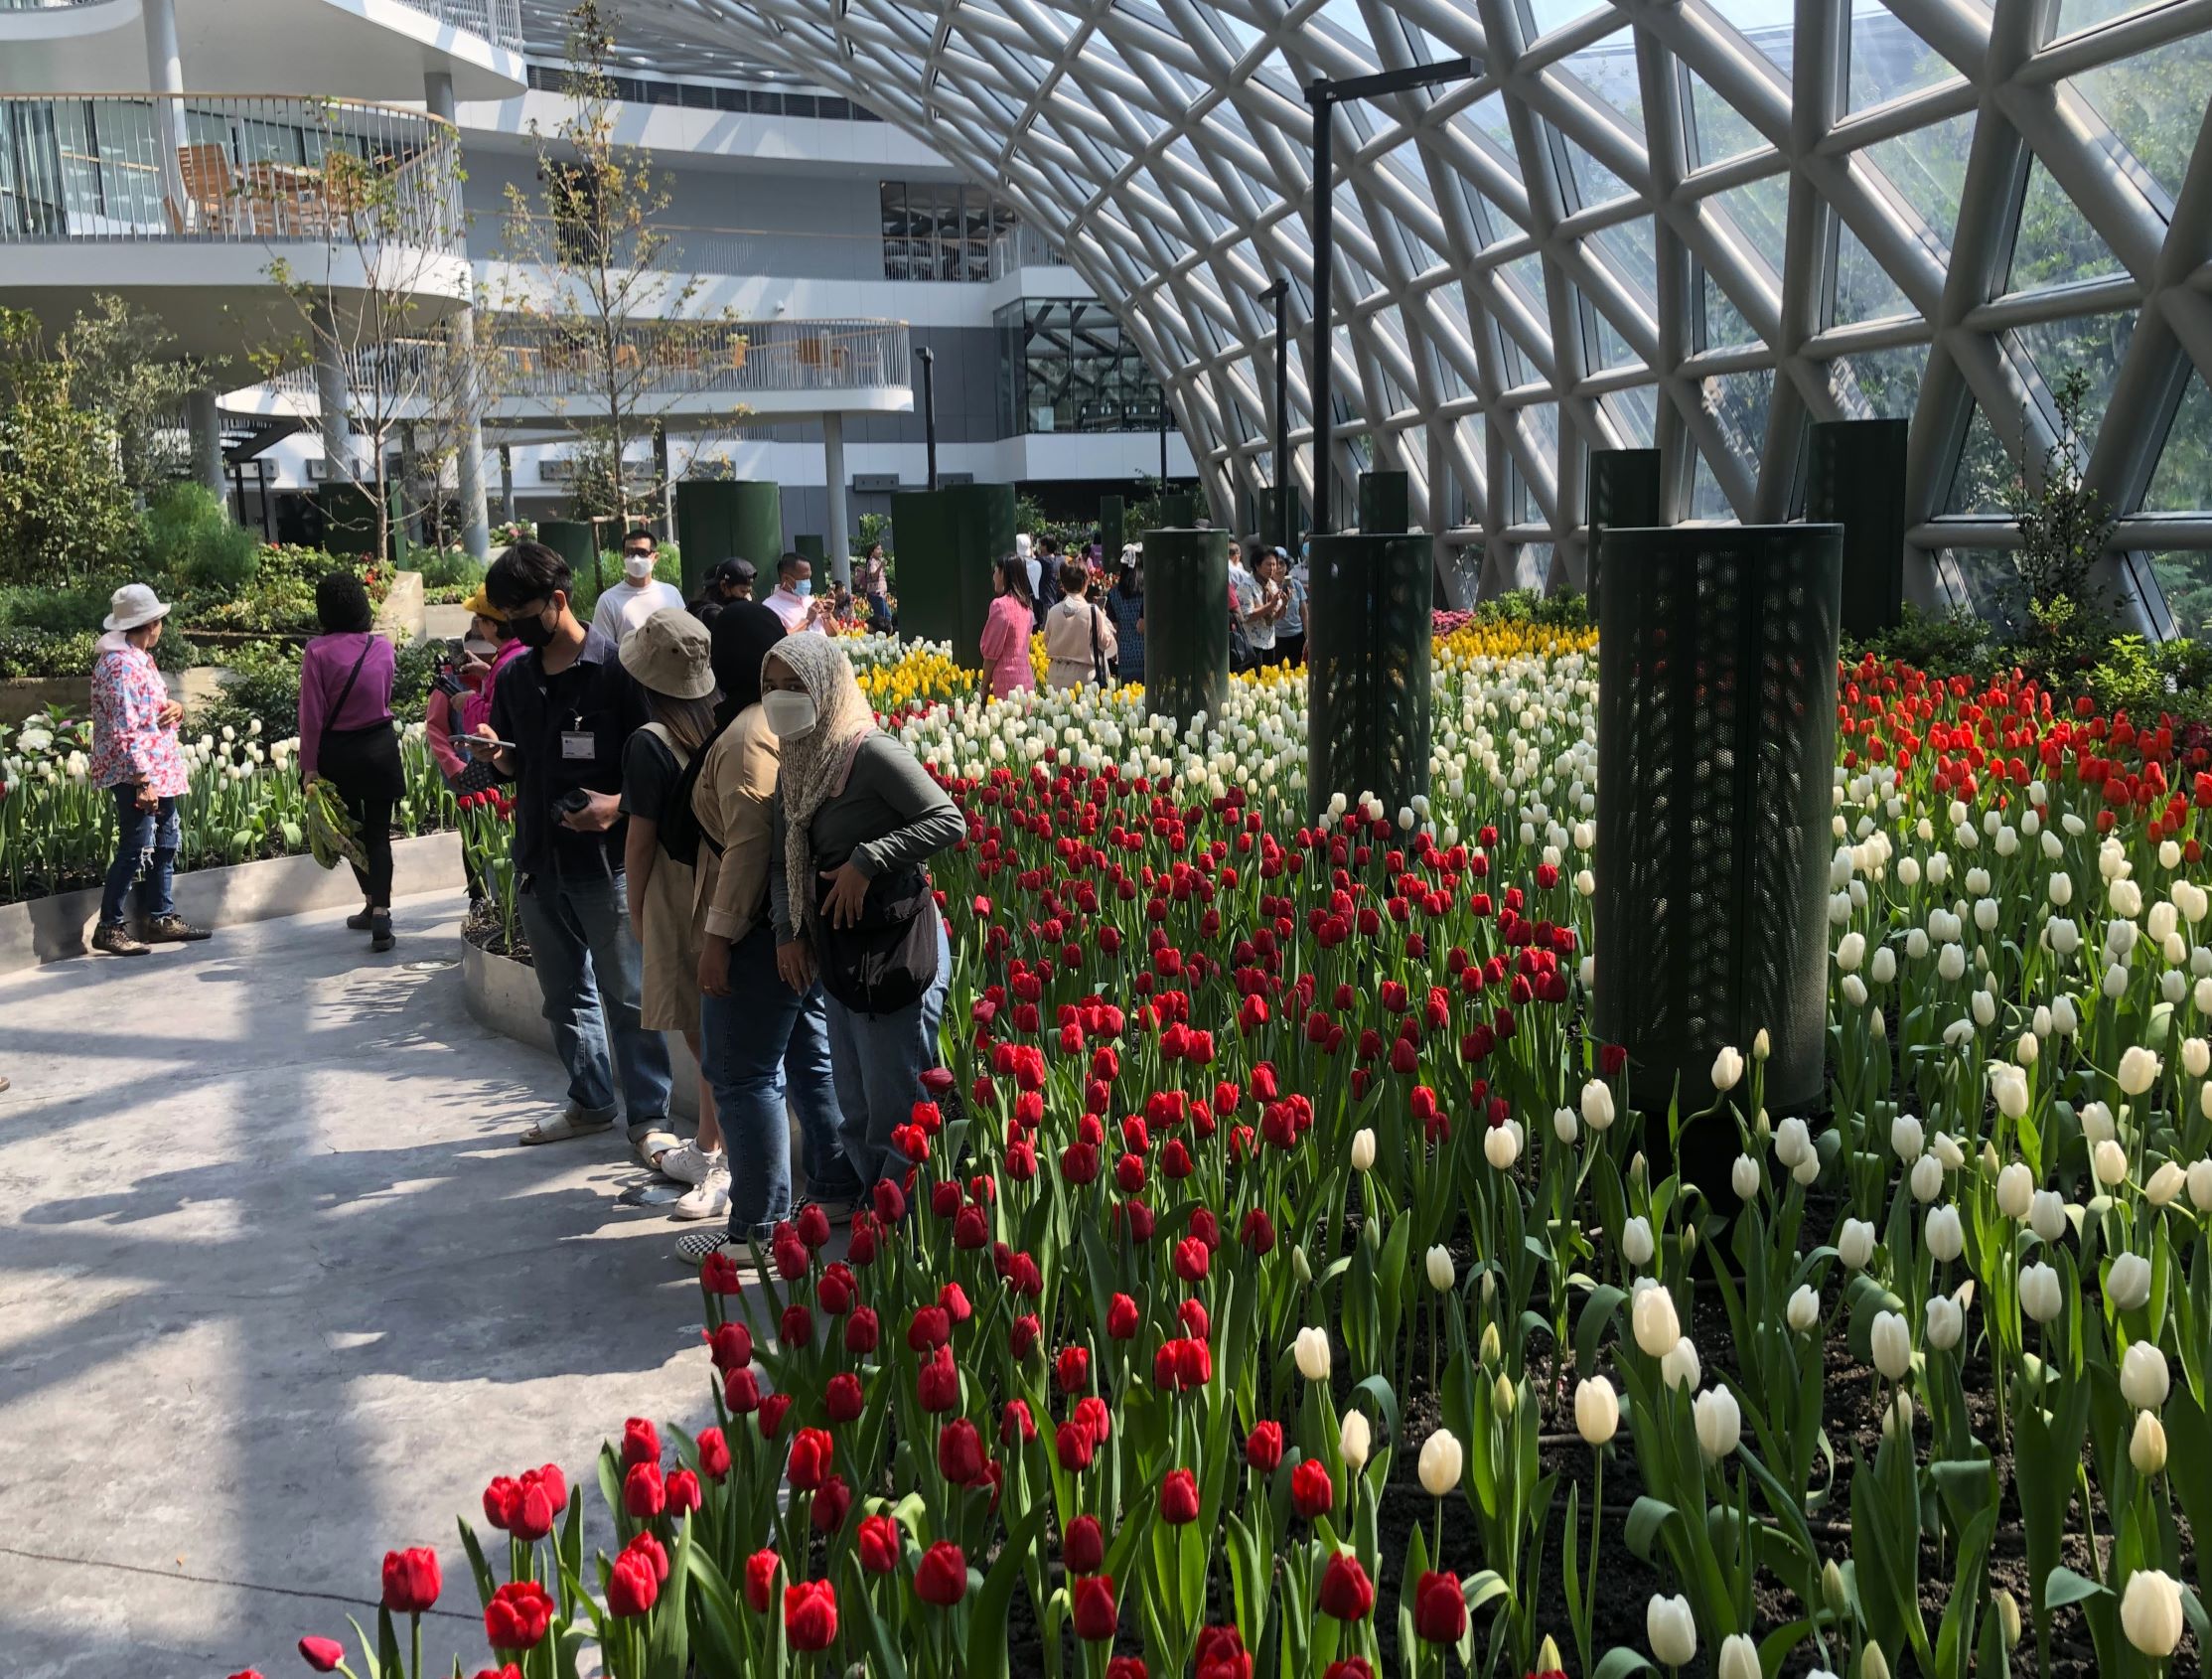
(589, 971)
(879, 1060)
(145, 844)
(763, 1045)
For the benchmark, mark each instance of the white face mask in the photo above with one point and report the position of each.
(637, 566)
(790, 715)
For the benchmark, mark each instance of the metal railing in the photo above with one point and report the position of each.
(498, 21)
(232, 167)
(538, 366)
(682, 249)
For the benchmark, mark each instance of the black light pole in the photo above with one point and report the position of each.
(1163, 440)
(1324, 96)
(1285, 480)
(929, 408)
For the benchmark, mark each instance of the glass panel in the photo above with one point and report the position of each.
(1592, 182)
(2093, 344)
(1878, 383)
(1608, 68)
(1705, 499)
(2185, 579)
(1984, 469)
(1628, 251)
(1542, 423)
(1526, 276)
(1929, 170)
(1716, 128)
(2056, 245)
(1888, 61)
(1607, 347)
(1635, 411)
(1346, 15)
(2075, 16)
(1992, 583)
(1766, 24)
(1740, 402)
(2155, 103)
(1725, 324)
(1864, 290)
(1547, 15)
(2183, 481)
(1760, 210)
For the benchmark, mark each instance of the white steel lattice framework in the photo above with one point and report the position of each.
(1694, 224)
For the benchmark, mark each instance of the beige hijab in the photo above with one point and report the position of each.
(813, 769)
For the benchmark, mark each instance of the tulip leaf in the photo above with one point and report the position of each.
(1968, 1582)
(986, 1654)
(1620, 1662)
(2063, 1587)
(487, 1583)
(885, 1647)
(1647, 1519)
(716, 1621)
(1597, 1311)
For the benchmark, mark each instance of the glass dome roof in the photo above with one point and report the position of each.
(1694, 226)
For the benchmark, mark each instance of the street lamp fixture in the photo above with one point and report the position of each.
(927, 359)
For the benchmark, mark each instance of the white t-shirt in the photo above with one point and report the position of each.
(793, 609)
(622, 607)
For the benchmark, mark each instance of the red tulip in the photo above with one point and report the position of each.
(518, 1615)
(1083, 1545)
(1264, 1448)
(811, 1614)
(741, 1392)
(1015, 1423)
(813, 1454)
(410, 1580)
(1121, 1317)
(1095, 1612)
(322, 1654)
(861, 1331)
(644, 1494)
(1072, 1369)
(1439, 1608)
(632, 1586)
(1220, 1654)
(732, 1347)
(1311, 1492)
(714, 1455)
(1127, 1667)
(1075, 1446)
(841, 1399)
(879, 1544)
(941, 1577)
(959, 1452)
(938, 1382)
(929, 1328)
(1179, 1498)
(773, 1409)
(640, 1442)
(830, 1504)
(760, 1568)
(1346, 1592)
(682, 1493)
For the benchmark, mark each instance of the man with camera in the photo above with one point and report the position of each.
(561, 715)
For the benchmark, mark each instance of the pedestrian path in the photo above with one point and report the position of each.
(278, 1292)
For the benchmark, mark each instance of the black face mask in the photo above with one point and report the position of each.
(533, 631)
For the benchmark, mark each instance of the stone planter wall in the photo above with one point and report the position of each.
(29, 697)
(45, 930)
(503, 997)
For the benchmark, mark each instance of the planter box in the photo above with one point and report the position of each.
(21, 697)
(503, 997)
(45, 930)
(399, 618)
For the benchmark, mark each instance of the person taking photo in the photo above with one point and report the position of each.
(638, 595)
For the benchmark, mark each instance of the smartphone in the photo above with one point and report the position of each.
(471, 743)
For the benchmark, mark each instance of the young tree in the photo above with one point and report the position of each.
(65, 512)
(605, 317)
(122, 366)
(374, 301)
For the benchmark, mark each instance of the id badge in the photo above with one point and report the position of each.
(578, 747)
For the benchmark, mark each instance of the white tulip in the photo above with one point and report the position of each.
(1883, 967)
(1637, 1246)
(1440, 1273)
(1500, 1147)
(2016, 1186)
(1926, 1178)
(2109, 1162)
(1728, 1070)
(1945, 1323)
(1893, 1345)
(1792, 1142)
(2097, 1122)
(2147, 1447)
(2200, 1185)
(2167, 1185)
(1743, 1177)
(1945, 1235)
(1312, 1352)
(2046, 1214)
(2127, 1282)
(1850, 950)
(2145, 1380)
(1855, 1245)
(2040, 1296)
(1598, 1105)
(2009, 1085)
(2138, 1070)
(1671, 1630)
(1804, 1310)
(1652, 1319)
(1906, 1138)
(1720, 1421)
(1563, 1126)
(1679, 1368)
(2150, 1612)
(1362, 1150)
(2061, 890)
(1441, 1461)
(1354, 1441)
(1597, 1410)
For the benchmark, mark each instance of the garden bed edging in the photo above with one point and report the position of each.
(502, 996)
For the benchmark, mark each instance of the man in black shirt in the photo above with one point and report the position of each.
(565, 711)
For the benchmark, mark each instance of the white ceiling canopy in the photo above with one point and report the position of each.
(1693, 225)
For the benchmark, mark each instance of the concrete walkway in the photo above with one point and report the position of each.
(278, 1292)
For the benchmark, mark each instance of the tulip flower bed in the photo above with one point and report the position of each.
(1287, 1282)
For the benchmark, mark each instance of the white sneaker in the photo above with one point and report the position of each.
(710, 1199)
(687, 1163)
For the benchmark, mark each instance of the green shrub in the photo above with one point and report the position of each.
(265, 684)
(57, 611)
(192, 542)
(1942, 642)
(412, 668)
(71, 652)
(445, 569)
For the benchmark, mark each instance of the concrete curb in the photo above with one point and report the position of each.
(53, 929)
(502, 996)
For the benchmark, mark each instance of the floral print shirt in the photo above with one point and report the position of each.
(130, 742)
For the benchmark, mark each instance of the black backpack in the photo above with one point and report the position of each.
(888, 960)
(678, 831)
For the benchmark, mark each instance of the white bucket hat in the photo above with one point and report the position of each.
(133, 606)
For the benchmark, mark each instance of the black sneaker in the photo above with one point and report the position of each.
(379, 932)
(116, 939)
(173, 929)
(361, 923)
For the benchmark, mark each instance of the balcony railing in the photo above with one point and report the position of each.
(498, 21)
(538, 368)
(245, 168)
(750, 251)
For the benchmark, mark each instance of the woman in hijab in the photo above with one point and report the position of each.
(762, 1043)
(855, 819)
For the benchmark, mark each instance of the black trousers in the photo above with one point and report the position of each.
(364, 765)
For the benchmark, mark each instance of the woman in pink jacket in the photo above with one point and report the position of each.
(1005, 640)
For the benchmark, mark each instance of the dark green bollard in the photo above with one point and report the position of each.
(1112, 526)
(1368, 612)
(1855, 476)
(1186, 623)
(1386, 503)
(1717, 746)
(719, 519)
(574, 541)
(1624, 492)
(949, 542)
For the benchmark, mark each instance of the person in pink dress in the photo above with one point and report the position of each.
(135, 757)
(1004, 643)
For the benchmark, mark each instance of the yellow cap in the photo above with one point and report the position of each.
(478, 605)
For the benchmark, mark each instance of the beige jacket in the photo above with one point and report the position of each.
(731, 799)
(1068, 642)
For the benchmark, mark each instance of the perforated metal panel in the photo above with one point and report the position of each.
(1855, 476)
(1716, 740)
(1186, 623)
(1369, 610)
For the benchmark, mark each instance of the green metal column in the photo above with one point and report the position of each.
(718, 519)
(1369, 602)
(349, 518)
(1386, 503)
(1855, 476)
(1716, 742)
(949, 542)
(573, 541)
(1186, 623)
(1112, 523)
(1178, 509)
(1624, 491)
(810, 546)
